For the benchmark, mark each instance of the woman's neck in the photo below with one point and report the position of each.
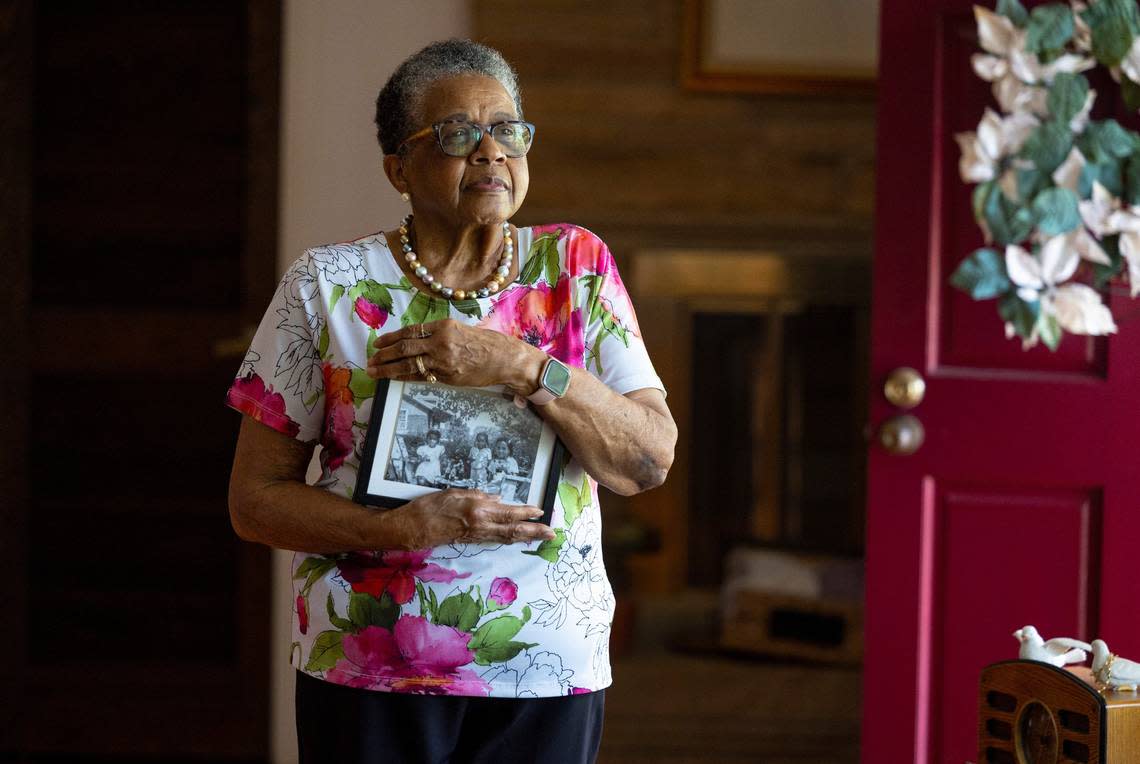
(461, 257)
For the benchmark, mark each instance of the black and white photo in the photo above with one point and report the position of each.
(428, 437)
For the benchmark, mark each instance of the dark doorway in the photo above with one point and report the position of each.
(138, 233)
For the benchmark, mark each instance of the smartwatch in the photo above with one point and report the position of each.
(553, 382)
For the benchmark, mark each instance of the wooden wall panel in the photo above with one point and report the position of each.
(623, 149)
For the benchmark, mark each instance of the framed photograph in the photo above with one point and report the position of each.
(806, 47)
(424, 438)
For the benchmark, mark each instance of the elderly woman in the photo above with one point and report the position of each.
(454, 627)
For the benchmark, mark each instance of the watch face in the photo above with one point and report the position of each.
(556, 378)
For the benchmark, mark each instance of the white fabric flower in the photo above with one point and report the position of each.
(1078, 310)
(1032, 275)
(1076, 307)
(1130, 64)
(1019, 78)
(995, 138)
(1097, 211)
(1068, 174)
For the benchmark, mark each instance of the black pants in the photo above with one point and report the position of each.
(346, 725)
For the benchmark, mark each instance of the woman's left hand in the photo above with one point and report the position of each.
(456, 354)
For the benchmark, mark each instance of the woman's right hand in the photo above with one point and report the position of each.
(463, 515)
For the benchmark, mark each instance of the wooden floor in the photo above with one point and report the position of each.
(670, 707)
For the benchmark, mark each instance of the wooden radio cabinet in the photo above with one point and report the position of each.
(1034, 713)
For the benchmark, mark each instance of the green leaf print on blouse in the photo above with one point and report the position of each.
(548, 550)
(468, 307)
(542, 256)
(343, 624)
(365, 610)
(493, 642)
(327, 650)
(459, 610)
(362, 386)
(424, 309)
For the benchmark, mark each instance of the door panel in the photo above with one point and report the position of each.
(1019, 506)
(150, 181)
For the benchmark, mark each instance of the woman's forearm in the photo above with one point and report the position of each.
(625, 442)
(288, 514)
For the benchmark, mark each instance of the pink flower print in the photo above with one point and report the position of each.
(540, 316)
(302, 614)
(586, 253)
(503, 592)
(252, 397)
(579, 691)
(340, 414)
(393, 572)
(416, 656)
(558, 228)
(370, 313)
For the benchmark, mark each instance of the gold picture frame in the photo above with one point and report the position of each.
(776, 46)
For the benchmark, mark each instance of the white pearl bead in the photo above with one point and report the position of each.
(421, 271)
(503, 271)
(410, 257)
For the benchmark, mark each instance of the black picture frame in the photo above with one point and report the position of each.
(383, 479)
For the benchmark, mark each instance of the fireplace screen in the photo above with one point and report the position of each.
(778, 454)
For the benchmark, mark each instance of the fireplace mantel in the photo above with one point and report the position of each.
(670, 287)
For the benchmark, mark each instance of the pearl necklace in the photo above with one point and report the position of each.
(421, 271)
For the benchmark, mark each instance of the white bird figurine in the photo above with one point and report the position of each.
(1058, 651)
(1114, 671)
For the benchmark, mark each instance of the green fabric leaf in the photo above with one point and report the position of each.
(982, 275)
(1067, 96)
(1023, 315)
(341, 623)
(1106, 141)
(337, 293)
(1102, 274)
(459, 610)
(1047, 146)
(361, 385)
(1132, 179)
(548, 550)
(370, 343)
(1049, 331)
(611, 326)
(373, 291)
(417, 311)
(552, 266)
(538, 257)
(366, 610)
(327, 650)
(468, 307)
(1008, 222)
(493, 641)
(1013, 10)
(1050, 27)
(323, 344)
(1131, 93)
(571, 502)
(1056, 211)
(1107, 173)
(313, 569)
(1030, 182)
(1113, 23)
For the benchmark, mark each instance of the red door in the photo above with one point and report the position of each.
(1022, 506)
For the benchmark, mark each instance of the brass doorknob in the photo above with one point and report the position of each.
(902, 435)
(904, 387)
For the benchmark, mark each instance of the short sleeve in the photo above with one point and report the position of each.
(614, 349)
(280, 382)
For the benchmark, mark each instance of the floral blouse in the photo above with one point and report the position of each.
(501, 620)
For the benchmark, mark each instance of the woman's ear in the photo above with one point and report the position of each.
(394, 169)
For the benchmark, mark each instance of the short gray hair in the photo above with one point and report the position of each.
(400, 98)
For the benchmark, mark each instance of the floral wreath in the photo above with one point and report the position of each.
(1058, 191)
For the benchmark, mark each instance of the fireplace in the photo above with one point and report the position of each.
(764, 356)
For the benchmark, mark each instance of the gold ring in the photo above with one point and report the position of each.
(423, 332)
(420, 366)
(431, 378)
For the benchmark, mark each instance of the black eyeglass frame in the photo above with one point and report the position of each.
(482, 131)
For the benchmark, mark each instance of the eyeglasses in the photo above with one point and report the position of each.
(459, 138)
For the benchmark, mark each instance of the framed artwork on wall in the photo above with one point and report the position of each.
(806, 47)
